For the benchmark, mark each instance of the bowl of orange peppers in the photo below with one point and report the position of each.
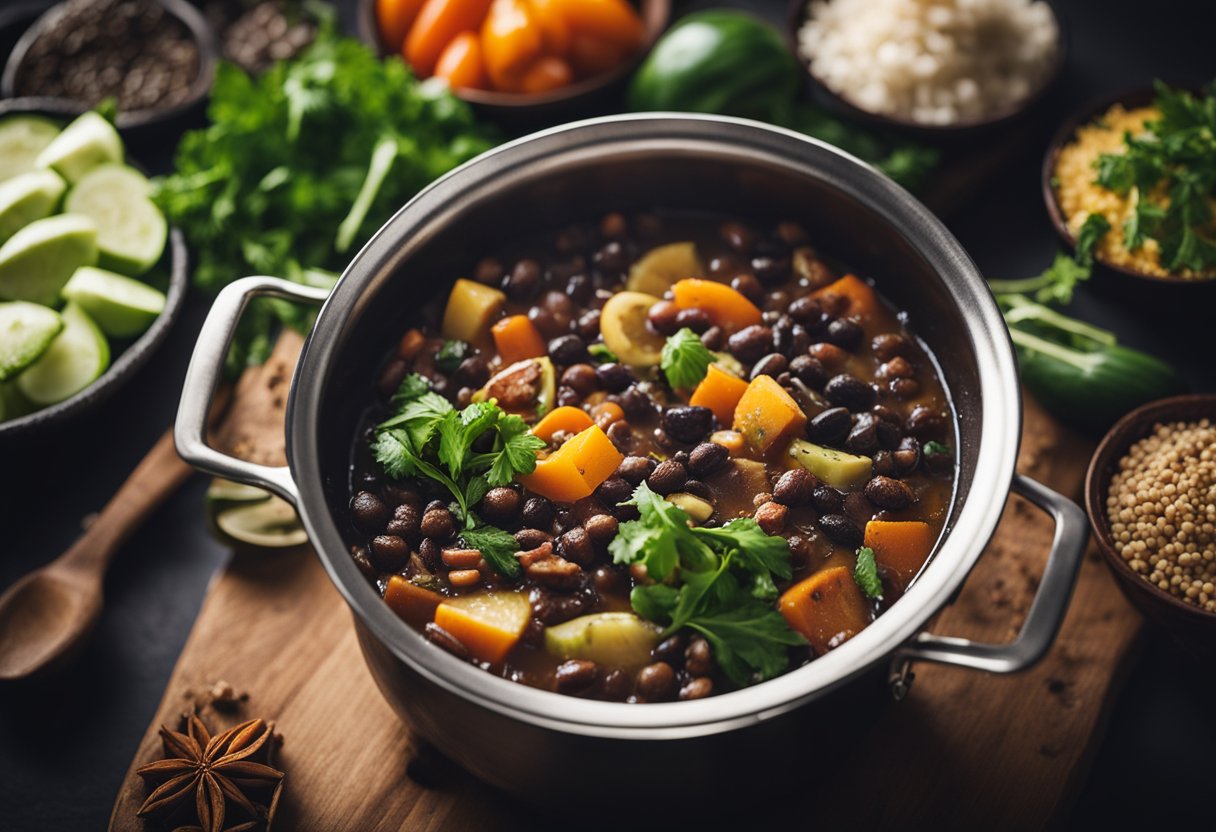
(511, 54)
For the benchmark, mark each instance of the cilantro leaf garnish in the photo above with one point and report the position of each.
(497, 546)
(685, 360)
(865, 573)
(450, 354)
(718, 582)
(600, 354)
(934, 447)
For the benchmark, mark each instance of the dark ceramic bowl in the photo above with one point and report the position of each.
(1191, 626)
(579, 98)
(184, 12)
(127, 356)
(1140, 97)
(937, 133)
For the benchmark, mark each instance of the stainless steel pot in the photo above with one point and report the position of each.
(539, 744)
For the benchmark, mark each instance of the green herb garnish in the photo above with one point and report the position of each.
(685, 360)
(426, 437)
(865, 573)
(933, 447)
(450, 354)
(719, 582)
(1057, 283)
(600, 354)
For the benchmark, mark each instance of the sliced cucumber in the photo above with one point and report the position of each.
(38, 260)
(27, 197)
(122, 306)
(84, 144)
(131, 230)
(611, 638)
(74, 360)
(22, 138)
(270, 523)
(26, 331)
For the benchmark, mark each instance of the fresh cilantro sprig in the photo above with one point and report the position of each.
(865, 573)
(718, 582)
(685, 360)
(1058, 281)
(466, 451)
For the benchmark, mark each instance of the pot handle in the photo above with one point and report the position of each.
(1046, 611)
(203, 377)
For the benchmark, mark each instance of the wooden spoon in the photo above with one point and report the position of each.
(47, 614)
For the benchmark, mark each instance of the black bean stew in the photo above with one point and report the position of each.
(651, 458)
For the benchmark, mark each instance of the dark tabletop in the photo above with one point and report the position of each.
(65, 746)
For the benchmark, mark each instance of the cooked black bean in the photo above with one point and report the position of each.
(441, 637)
(849, 391)
(430, 552)
(662, 317)
(500, 504)
(698, 660)
(405, 522)
(579, 288)
(907, 455)
(771, 517)
(656, 682)
(790, 233)
(794, 487)
(897, 367)
(489, 271)
(884, 463)
(668, 477)
(771, 270)
(888, 434)
(613, 377)
(528, 539)
(538, 512)
(830, 426)
(738, 236)
(568, 398)
(615, 685)
(395, 493)
(863, 437)
(810, 371)
(614, 490)
(620, 433)
(698, 688)
(830, 355)
(714, 338)
(581, 378)
(575, 545)
(472, 372)
(800, 549)
(889, 345)
(389, 552)
(770, 317)
(751, 343)
(889, 493)
(637, 405)
(568, 349)
(391, 376)
(613, 226)
(437, 523)
(699, 489)
(773, 364)
(841, 530)
(634, 469)
(602, 528)
(681, 457)
(369, 511)
(707, 458)
(611, 258)
(687, 423)
(610, 580)
(748, 286)
(697, 320)
(924, 422)
(904, 388)
(670, 649)
(523, 280)
(826, 499)
(791, 340)
(844, 333)
(588, 325)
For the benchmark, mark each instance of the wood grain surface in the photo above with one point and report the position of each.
(963, 750)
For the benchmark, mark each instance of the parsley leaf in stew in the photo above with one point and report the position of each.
(866, 573)
(685, 360)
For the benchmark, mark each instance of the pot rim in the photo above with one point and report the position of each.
(743, 141)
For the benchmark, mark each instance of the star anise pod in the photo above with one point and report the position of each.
(216, 772)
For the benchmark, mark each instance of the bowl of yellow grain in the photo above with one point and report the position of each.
(1118, 158)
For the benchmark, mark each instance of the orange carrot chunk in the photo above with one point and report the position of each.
(516, 338)
(488, 624)
(613, 21)
(460, 63)
(901, 547)
(575, 469)
(438, 22)
(726, 307)
(553, 27)
(546, 74)
(858, 296)
(827, 608)
(511, 41)
(570, 419)
(410, 601)
(394, 19)
(720, 392)
(767, 415)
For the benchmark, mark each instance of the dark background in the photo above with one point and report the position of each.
(65, 746)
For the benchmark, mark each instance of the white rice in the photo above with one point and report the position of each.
(931, 61)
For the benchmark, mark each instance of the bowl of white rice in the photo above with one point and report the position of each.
(933, 67)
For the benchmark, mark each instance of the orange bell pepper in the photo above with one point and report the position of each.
(827, 608)
(575, 469)
(394, 19)
(862, 301)
(460, 63)
(569, 419)
(720, 392)
(510, 41)
(725, 306)
(517, 338)
(766, 414)
(437, 23)
(613, 21)
(547, 73)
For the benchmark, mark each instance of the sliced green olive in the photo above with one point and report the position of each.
(526, 388)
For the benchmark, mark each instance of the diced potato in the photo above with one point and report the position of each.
(767, 415)
(611, 638)
(488, 624)
(837, 468)
(697, 509)
(470, 310)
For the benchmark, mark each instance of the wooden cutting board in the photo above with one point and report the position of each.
(964, 750)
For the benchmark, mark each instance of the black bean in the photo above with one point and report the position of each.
(668, 477)
(434, 504)
(568, 398)
(637, 405)
(841, 530)
(844, 333)
(830, 426)
(472, 372)
(575, 676)
(748, 286)
(405, 521)
(529, 539)
(827, 354)
(489, 271)
(697, 688)
(589, 325)
(395, 493)
(714, 338)
(791, 341)
(889, 493)
(441, 637)
(810, 371)
(610, 580)
(575, 545)
(888, 434)
(800, 549)
(790, 233)
(613, 226)
(615, 686)
(662, 317)
(670, 649)
(620, 434)
(523, 280)
(579, 288)
(580, 378)
(698, 660)
(390, 378)
(500, 504)
(431, 552)
(687, 423)
(849, 391)
(568, 349)
(602, 528)
(907, 455)
(613, 377)
(773, 364)
(863, 437)
(389, 552)
(611, 258)
(697, 320)
(826, 499)
(538, 512)
(656, 682)
(699, 489)
(681, 457)
(903, 388)
(771, 270)
(738, 236)
(707, 458)
(897, 367)
(613, 491)
(889, 345)
(438, 523)
(751, 343)
(369, 511)
(634, 469)
(794, 487)
(770, 317)
(924, 422)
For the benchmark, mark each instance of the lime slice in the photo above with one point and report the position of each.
(122, 306)
(270, 523)
(37, 261)
(22, 138)
(26, 330)
(28, 197)
(131, 230)
(73, 361)
(84, 144)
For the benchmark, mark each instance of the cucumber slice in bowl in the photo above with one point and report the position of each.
(26, 332)
(22, 138)
(38, 260)
(84, 144)
(131, 230)
(122, 306)
(73, 361)
(28, 197)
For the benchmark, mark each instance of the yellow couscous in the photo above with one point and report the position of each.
(1079, 195)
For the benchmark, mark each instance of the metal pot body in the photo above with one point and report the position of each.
(523, 739)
